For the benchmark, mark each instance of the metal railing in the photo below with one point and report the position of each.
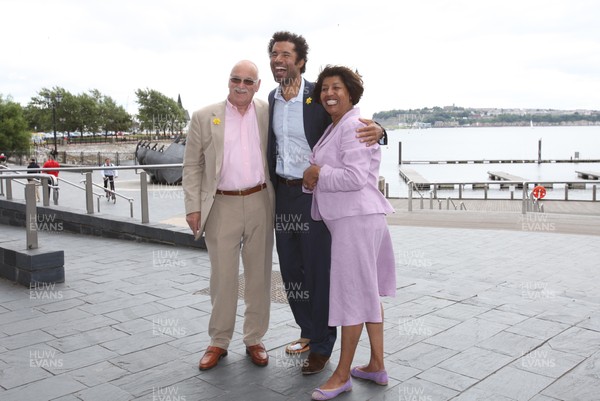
(31, 230)
(17, 173)
(529, 203)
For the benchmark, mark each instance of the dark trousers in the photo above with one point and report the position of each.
(304, 250)
(112, 182)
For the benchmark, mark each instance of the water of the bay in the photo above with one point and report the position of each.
(498, 143)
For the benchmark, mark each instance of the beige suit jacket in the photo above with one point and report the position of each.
(203, 157)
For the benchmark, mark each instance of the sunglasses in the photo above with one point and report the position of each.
(246, 81)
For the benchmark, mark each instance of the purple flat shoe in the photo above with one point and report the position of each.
(380, 377)
(319, 394)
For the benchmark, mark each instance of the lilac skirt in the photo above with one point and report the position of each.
(362, 269)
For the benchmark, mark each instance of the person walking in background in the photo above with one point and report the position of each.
(34, 168)
(2, 159)
(296, 123)
(108, 176)
(229, 198)
(51, 163)
(343, 178)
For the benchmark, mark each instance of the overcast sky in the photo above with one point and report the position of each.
(412, 54)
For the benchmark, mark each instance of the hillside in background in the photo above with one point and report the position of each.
(453, 116)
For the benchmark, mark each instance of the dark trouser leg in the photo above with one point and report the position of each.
(304, 249)
(289, 251)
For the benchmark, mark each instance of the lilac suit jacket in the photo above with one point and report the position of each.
(347, 184)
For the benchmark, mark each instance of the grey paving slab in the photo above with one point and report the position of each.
(475, 311)
(99, 373)
(466, 334)
(86, 339)
(20, 341)
(43, 390)
(510, 344)
(138, 341)
(422, 355)
(574, 387)
(577, 341)
(70, 361)
(502, 317)
(547, 361)
(104, 392)
(141, 360)
(538, 328)
(446, 378)
(476, 362)
(514, 383)
(68, 328)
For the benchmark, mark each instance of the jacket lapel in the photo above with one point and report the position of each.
(217, 129)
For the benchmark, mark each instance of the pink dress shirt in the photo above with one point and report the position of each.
(242, 160)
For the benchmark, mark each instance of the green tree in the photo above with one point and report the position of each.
(157, 112)
(14, 136)
(113, 117)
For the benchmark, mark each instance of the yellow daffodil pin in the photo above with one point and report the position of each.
(308, 100)
(216, 121)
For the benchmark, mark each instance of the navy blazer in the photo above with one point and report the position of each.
(315, 118)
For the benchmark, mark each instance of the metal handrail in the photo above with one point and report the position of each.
(87, 170)
(45, 179)
(130, 200)
(485, 184)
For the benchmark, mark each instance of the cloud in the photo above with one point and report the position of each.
(411, 54)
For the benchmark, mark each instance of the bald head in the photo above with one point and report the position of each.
(247, 66)
(243, 84)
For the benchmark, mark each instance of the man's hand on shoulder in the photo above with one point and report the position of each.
(371, 133)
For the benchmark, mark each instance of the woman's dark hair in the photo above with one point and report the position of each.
(351, 79)
(299, 42)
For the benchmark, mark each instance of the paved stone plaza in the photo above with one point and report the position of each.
(510, 313)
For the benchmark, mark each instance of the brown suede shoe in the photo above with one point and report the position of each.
(258, 354)
(211, 357)
(314, 363)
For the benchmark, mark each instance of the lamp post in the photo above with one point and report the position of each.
(55, 101)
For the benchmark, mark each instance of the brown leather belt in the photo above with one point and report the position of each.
(243, 192)
(291, 183)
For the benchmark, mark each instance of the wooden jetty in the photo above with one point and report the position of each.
(588, 175)
(502, 176)
(417, 179)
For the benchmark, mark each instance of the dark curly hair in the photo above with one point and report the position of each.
(351, 79)
(299, 42)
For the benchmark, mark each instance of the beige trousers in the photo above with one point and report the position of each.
(240, 224)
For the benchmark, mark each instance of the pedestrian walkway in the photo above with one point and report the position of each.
(509, 313)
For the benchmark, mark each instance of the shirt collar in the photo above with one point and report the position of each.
(230, 107)
(299, 97)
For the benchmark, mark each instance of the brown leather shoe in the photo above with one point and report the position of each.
(314, 363)
(258, 354)
(211, 357)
